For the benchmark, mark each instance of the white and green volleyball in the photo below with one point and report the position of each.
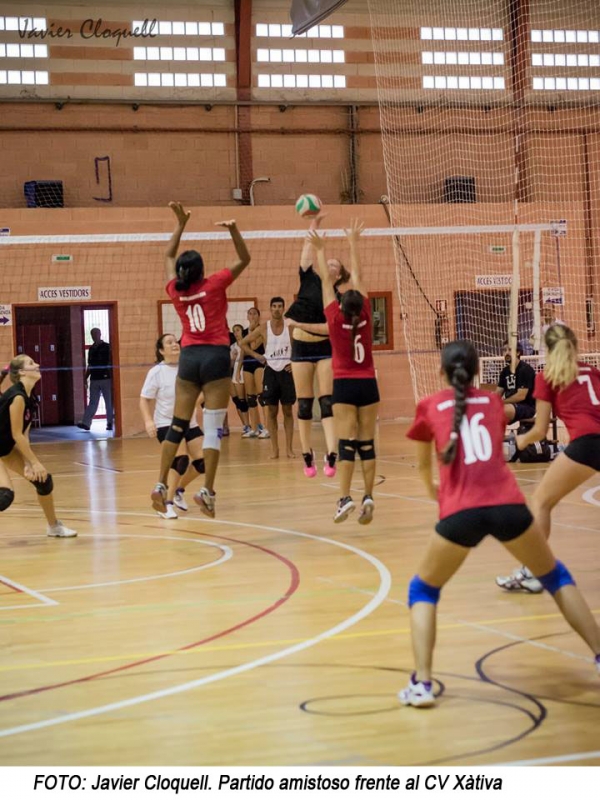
(308, 205)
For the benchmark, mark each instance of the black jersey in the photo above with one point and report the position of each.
(308, 305)
(7, 442)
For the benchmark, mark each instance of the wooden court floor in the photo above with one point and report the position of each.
(272, 636)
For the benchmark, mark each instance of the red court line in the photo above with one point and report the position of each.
(293, 586)
(10, 586)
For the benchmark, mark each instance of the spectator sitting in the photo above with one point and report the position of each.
(516, 388)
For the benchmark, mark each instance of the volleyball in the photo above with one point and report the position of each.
(308, 205)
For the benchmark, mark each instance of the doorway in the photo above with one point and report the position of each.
(58, 337)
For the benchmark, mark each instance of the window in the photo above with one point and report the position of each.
(301, 81)
(180, 79)
(301, 56)
(463, 34)
(179, 53)
(184, 28)
(381, 312)
(22, 23)
(556, 84)
(26, 77)
(23, 51)
(566, 37)
(285, 31)
(463, 82)
(565, 60)
(474, 59)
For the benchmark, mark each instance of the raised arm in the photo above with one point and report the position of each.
(318, 242)
(318, 328)
(543, 413)
(353, 236)
(171, 252)
(306, 258)
(240, 247)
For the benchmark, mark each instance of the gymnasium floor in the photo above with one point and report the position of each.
(272, 636)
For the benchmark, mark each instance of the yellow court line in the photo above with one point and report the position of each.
(274, 642)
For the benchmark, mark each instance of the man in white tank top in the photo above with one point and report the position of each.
(278, 383)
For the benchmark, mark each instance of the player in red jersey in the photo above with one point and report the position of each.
(355, 392)
(204, 363)
(572, 389)
(477, 495)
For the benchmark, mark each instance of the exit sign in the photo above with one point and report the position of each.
(498, 249)
(62, 259)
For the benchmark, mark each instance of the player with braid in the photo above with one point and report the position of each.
(477, 495)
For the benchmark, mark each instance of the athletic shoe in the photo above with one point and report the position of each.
(248, 433)
(170, 512)
(521, 580)
(418, 694)
(206, 501)
(225, 430)
(309, 464)
(366, 510)
(179, 500)
(344, 508)
(83, 426)
(329, 468)
(264, 434)
(60, 531)
(159, 497)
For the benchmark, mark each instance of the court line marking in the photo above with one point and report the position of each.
(385, 584)
(225, 549)
(588, 496)
(564, 759)
(43, 600)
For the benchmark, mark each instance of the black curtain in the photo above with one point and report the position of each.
(306, 13)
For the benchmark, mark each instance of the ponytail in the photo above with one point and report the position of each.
(460, 382)
(561, 360)
(189, 269)
(14, 368)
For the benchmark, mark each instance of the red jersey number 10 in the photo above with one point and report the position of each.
(196, 317)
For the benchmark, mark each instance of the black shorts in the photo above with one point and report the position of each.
(585, 450)
(355, 391)
(468, 528)
(523, 411)
(204, 363)
(310, 351)
(192, 433)
(251, 365)
(278, 387)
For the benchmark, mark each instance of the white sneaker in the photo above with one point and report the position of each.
(158, 495)
(418, 694)
(264, 434)
(366, 510)
(248, 433)
(521, 580)
(169, 513)
(60, 531)
(344, 508)
(206, 501)
(179, 500)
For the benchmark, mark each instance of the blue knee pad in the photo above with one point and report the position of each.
(421, 592)
(556, 578)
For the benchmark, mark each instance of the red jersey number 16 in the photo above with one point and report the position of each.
(476, 439)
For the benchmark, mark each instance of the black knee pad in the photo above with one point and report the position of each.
(261, 399)
(252, 401)
(44, 488)
(243, 406)
(305, 407)
(198, 465)
(366, 450)
(179, 428)
(326, 406)
(237, 402)
(180, 464)
(6, 498)
(347, 449)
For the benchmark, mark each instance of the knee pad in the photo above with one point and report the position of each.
(421, 592)
(261, 399)
(305, 407)
(178, 429)
(6, 498)
(198, 465)
(213, 427)
(347, 449)
(556, 578)
(252, 401)
(44, 488)
(366, 450)
(243, 406)
(326, 406)
(180, 464)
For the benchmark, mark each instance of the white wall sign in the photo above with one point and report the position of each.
(5, 316)
(4, 231)
(493, 281)
(46, 293)
(553, 294)
(559, 227)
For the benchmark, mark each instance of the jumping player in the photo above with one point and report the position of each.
(572, 389)
(159, 387)
(355, 391)
(17, 407)
(204, 363)
(478, 495)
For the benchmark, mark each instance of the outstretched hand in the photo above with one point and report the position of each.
(317, 241)
(315, 223)
(181, 214)
(227, 223)
(355, 230)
